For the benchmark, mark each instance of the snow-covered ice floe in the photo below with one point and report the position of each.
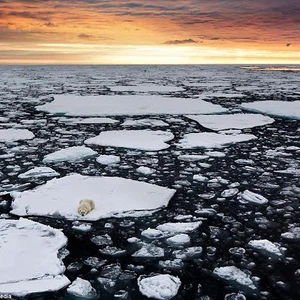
(284, 109)
(29, 258)
(162, 287)
(234, 275)
(212, 140)
(248, 196)
(266, 247)
(113, 196)
(11, 135)
(108, 159)
(136, 139)
(71, 154)
(112, 105)
(176, 228)
(233, 121)
(39, 172)
(146, 88)
(82, 288)
(145, 122)
(88, 120)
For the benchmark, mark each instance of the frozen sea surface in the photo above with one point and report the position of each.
(230, 231)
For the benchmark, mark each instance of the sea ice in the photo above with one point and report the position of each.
(145, 122)
(11, 135)
(212, 140)
(234, 121)
(113, 196)
(266, 247)
(162, 287)
(39, 172)
(179, 240)
(146, 88)
(136, 139)
(175, 228)
(71, 154)
(233, 274)
(248, 196)
(108, 159)
(82, 288)
(112, 105)
(284, 109)
(29, 258)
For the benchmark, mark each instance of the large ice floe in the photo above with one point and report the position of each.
(136, 139)
(71, 154)
(233, 121)
(11, 135)
(39, 172)
(112, 196)
(29, 258)
(162, 287)
(107, 105)
(212, 140)
(284, 109)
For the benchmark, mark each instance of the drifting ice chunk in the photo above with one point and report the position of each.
(72, 154)
(248, 196)
(93, 121)
(188, 253)
(11, 135)
(284, 109)
(108, 105)
(212, 140)
(112, 196)
(145, 170)
(144, 88)
(236, 121)
(38, 172)
(179, 240)
(29, 258)
(192, 157)
(149, 251)
(82, 288)
(145, 122)
(175, 228)
(266, 247)
(292, 234)
(108, 159)
(235, 275)
(136, 139)
(162, 287)
(152, 233)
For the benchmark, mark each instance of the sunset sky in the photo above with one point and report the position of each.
(150, 32)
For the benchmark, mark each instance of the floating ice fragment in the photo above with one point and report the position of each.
(82, 288)
(11, 135)
(39, 172)
(248, 196)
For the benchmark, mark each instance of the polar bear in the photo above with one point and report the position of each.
(85, 206)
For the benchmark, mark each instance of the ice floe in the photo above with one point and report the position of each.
(39, 172)
(248, 196)
(107, 105)
(266, 247)
(162, 287)
(113, 196)
(146, 88)
(212, 140)
(136, 139)
(145, 122)
(108, 159)
(233, 121)
(284, 109)
(82, 288)
(71, 154)
(175, 228)
(235, 275)
(29, 258)
(11, 135)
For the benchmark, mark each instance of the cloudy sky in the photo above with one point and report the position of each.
(149, 32)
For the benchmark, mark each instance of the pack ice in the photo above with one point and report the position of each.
(29, 258)
(112, 197)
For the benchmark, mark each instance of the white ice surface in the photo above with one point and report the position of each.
(248, 196)
(176, 228)
(266, 246)
(38, 172)
(29, 261)
(108, 105)
(233, 121)
(11, 135)
(233, 274)
(113, 196)
(108, 159)
(145, 122)
(146, 88)
(162, 287)
(136, 139)
(88, 121)
(71, 154)
(82, 288)
(284, 109)
(212, 140)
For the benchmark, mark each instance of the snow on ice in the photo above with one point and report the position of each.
(112, 197)
(12, 135)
